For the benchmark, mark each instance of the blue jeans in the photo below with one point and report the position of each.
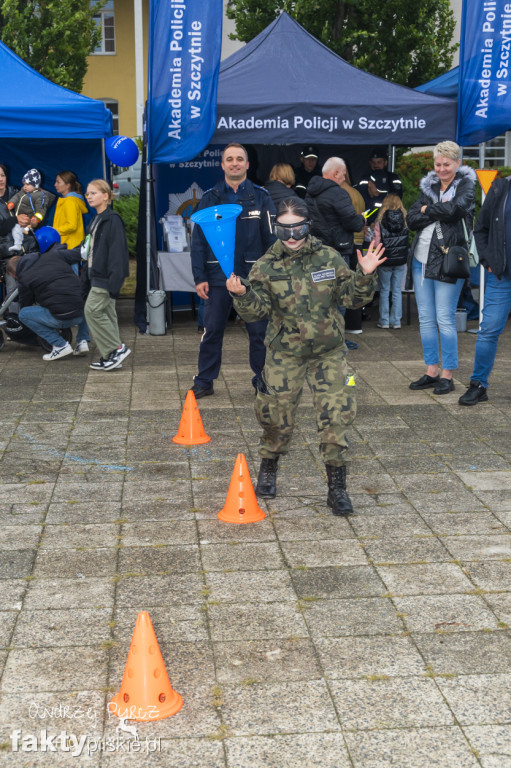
(391, 281)
(41, 321)
(497, 306)
(436, 303)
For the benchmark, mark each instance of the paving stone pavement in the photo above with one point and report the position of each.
(377, 641)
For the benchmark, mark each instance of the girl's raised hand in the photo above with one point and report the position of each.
(373, 258)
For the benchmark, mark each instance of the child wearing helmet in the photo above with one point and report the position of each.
(31, 201)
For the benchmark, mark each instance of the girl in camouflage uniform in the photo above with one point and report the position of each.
(299, 285)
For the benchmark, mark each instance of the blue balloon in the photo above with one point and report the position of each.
(121, 151)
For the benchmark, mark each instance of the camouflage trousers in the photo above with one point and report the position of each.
(334, 402)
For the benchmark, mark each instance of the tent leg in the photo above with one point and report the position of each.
(148, 230)
(103, 157)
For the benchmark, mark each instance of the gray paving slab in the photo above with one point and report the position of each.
(411, 748)
(392, 703)
(377, 641)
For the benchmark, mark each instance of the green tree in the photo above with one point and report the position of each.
(405, 42)
(52, 36)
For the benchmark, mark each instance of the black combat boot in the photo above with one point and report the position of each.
(266, 486)
(338, 499)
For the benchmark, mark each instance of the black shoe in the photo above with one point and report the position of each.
(338, 499)
(266, 487)
(443, 387)
(476, 393)
(425, 382)
(202, 390)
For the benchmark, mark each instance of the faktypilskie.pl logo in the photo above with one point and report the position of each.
(55, 738)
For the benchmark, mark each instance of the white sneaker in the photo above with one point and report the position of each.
(103, 364)
(116, 357)
(57, 352)
(81, 348)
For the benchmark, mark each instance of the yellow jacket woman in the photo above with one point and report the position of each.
(68, 220)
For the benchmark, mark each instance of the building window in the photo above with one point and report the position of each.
(105, 20)
(495, 152)
(113, 106)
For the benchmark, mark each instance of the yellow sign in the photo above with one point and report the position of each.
(486, 178)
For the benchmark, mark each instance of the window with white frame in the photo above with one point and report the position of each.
(113, 106)
(105, 20)
(495, 152)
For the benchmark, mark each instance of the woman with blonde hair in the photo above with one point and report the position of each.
(391, 230)
(281, 182)
(445, 202)
(106, 251)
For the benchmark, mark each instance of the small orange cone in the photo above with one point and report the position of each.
(191, 430)
(241, 503)
(146, 693)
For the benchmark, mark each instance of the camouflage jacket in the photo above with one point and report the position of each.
(300, 293)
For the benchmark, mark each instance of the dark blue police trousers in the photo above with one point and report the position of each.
(216, 313)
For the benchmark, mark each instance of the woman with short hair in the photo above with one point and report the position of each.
(446, 200)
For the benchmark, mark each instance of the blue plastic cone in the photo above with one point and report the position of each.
(219, 226)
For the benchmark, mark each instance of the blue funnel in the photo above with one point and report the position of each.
(219, 226)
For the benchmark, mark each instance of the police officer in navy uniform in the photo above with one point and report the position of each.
(307, 169)
(253, 238)
(378, 183)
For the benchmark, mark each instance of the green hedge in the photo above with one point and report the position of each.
(127, 208)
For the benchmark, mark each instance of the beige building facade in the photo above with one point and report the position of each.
(112, 69)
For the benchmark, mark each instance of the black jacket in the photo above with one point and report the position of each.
(7, 222)
(490, 228)
(333, 217)
(449, 215)
(253, 233)
(278, 192)
(110, 256)
(48, 279)
(303, 178)
(394, 236)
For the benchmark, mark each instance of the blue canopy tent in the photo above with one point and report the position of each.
(47, 127)
(285, 87)
(445, 85)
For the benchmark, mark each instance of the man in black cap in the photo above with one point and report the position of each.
(308, 168)
(378, 182)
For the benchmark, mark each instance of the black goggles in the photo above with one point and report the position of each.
(297, 231)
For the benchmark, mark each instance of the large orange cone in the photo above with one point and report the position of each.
(146, 693)
(191, 430)
(241, 503)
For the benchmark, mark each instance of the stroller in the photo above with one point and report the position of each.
(11, 325)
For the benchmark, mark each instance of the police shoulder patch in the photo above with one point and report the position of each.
(323, 274)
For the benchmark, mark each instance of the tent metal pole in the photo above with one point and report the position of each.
(148, 227)
(482, 158)
(103, 157)
(392, 155)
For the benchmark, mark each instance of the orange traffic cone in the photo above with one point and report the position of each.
(191, 430)
(146, 693)
(241, 503)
